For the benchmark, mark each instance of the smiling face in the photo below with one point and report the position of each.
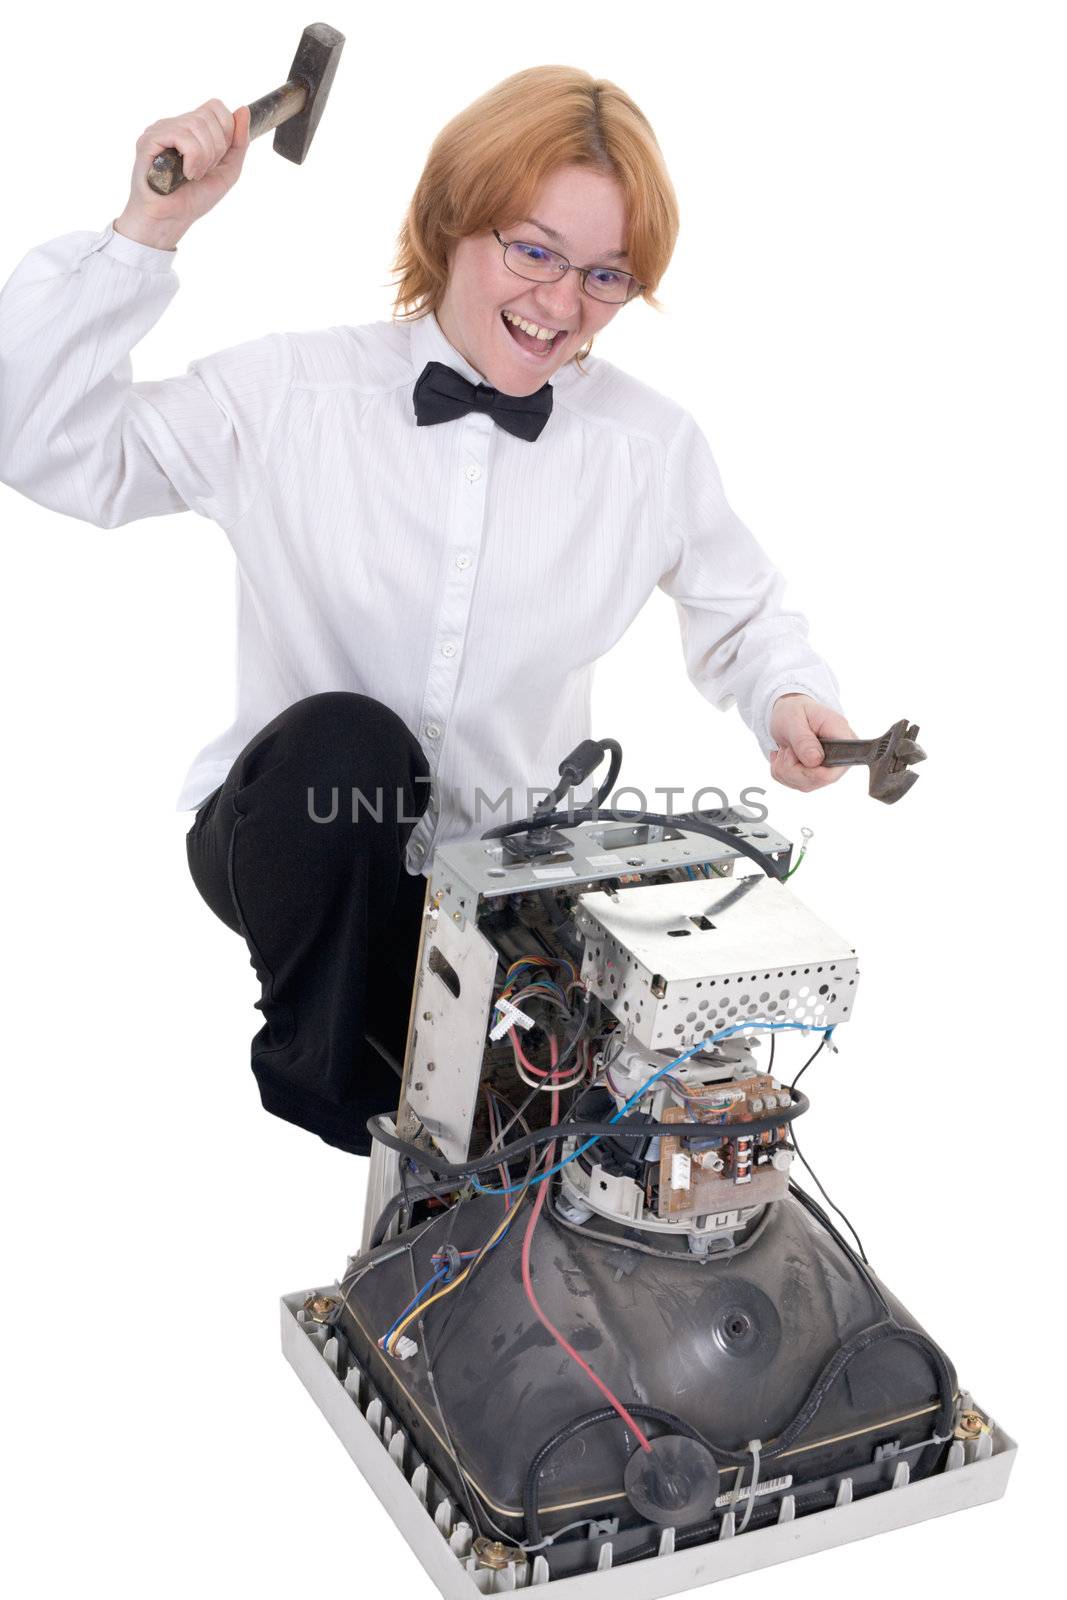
(581, 214)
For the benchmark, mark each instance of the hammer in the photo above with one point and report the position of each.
(888, 758)
(294, 109)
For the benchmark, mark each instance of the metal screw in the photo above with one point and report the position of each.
(427, 1016)
(431, 1066)
(495, 1555)
(319, 1306)
(970, 1426)
(420, 1086)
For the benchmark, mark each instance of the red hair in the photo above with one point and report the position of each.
(486, 165)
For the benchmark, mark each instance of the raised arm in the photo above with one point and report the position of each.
(742, 643)
(76, 434)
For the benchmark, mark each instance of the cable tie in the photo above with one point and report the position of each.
(754, 1447)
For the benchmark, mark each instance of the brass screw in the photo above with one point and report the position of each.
(492, 1553)
(427, 1016)
(319, 1306)
(970, 1426)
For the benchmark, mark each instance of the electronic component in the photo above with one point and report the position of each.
(584, 1209)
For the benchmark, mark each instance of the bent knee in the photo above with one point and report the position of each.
(339, 737)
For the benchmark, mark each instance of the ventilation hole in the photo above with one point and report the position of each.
(445, 971)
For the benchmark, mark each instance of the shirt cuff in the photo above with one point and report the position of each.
(145, 256)
(825, 692)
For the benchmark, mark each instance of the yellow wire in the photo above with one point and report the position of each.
(425, 1304)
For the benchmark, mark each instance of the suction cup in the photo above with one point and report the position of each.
(674, 1484)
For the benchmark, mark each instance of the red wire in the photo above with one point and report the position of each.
(527, 1282)
(539, 1072)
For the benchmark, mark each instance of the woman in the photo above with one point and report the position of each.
(440, 524)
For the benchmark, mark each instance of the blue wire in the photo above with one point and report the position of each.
(639, 1094)
(441, 1273)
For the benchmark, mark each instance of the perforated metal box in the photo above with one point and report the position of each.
(677, 961)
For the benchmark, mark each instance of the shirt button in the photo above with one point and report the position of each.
(448, 649)
(463, 562)
(433, 730)
(474, 472)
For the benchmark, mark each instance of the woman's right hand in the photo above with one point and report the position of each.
(212, 142)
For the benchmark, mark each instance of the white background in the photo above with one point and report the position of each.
(866, 315)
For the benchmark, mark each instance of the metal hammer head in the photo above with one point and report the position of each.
(314, 64)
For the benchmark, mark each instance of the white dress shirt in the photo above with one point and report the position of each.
(467, 578)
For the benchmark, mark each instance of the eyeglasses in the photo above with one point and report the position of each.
(539, 265)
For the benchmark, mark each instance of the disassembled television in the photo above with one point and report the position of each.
(597, 1322)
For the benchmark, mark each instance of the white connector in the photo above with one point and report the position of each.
(681, 1170)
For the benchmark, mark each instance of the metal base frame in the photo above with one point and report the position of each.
(433, 1527)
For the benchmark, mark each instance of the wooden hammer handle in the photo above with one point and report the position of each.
(166, 172)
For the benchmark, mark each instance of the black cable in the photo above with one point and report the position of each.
(580, 765)
(820, 1046)
(826, 1197)
(842, 1358)
(814, 1209)
(579, 1032)
(530, 1508)
(688, 821)
(586, 1130)
(814, 1175)
(399, 1201)
(448, 1310)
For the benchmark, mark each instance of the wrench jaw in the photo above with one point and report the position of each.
(891, 787)
(895, 754)
(889, 759)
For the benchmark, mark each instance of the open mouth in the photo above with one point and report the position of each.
(529, 336)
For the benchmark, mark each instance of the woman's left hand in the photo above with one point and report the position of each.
(797, 725)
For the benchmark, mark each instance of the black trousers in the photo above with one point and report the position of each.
(325, 904)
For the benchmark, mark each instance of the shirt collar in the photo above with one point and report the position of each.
(428, 343)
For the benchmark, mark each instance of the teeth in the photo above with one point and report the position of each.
(531, 327)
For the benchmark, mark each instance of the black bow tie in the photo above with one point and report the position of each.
(442, 394)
